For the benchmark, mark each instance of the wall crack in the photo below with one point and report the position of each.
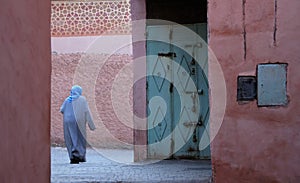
(275, 23)
(244, 30)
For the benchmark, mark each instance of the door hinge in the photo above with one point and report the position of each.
(171, 34)
(171, 88)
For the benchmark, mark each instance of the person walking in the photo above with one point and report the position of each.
(76, 114)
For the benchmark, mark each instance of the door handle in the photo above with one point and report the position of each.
(200, 92)
(169, 54)
(192, 123)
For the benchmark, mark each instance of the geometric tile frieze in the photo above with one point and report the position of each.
(83, 18)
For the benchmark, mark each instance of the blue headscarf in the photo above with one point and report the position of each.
(75, 93)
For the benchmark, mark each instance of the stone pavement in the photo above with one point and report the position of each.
(117, 166)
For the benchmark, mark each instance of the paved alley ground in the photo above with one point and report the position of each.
(117, 166)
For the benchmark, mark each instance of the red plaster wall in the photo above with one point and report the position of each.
(112, 131)
(138, 16)
(256, 144)
(25, 70)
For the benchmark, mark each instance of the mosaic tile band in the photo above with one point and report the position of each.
(90, 18)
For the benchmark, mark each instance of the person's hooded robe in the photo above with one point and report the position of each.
(76, 114)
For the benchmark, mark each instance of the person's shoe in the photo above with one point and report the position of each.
(74, 161)
(82, 160)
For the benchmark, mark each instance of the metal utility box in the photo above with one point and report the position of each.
(271, 84)
(246, 88)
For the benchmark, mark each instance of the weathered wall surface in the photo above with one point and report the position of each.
(114, 125)
(138, 11)
(256, 144)
(113, 44)
(25, 70)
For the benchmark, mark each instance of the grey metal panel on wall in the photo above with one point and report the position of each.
(271, 84)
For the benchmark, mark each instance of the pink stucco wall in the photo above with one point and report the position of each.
(111, 44)
(138, 14)
(25, 69)
(256, 144)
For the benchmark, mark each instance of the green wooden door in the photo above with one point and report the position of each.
(177, 92)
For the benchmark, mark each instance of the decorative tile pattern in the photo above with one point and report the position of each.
(75, 18)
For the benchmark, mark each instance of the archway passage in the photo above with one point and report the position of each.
(177, 85)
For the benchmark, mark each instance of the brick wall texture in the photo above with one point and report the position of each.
(112, 130)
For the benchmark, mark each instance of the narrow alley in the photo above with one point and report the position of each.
(98, 168)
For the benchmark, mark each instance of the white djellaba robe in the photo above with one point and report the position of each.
(75, 116)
